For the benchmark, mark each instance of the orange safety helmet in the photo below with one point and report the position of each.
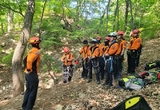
(107, 38)
(98, 38)
(120, 33)
(34, 40)
(136, 31)
(66, 49)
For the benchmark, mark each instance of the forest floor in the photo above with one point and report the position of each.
(78, 94)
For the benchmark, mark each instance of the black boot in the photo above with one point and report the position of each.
(89, 80)
(69, 78)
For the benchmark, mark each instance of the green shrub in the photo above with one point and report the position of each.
(7, 59)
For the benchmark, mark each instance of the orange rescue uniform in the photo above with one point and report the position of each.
(85, 51)
(135, 43)
(32, 56)
(67, 58)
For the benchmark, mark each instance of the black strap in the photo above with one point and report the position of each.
(93, 48)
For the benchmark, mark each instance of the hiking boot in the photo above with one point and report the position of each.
(84, 77)
(104, 84)
(116, 87)
(102, 78)
(89, 81)
(98, 82)
(69, 78)
(64, 81)
(109, 86)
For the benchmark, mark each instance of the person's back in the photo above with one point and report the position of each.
(31, 63)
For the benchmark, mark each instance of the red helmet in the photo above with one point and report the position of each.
(120, 32)
(107, 38)
(34, 40)
(136, 31)
(76, 62)
(98, 38)
(66, 49)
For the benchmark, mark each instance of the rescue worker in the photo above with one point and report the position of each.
(94, 55)
(136, 33)
(110, 64)
(105, 58)
(133, 51)
(67, 59)
(84, 51)
(119, 55)
(31, 63)
(101, 52)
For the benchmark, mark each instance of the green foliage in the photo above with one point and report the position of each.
(84, 20)
(49, 62)
(7, 59)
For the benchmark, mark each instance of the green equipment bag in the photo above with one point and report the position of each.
(132, 83)
(136, 102)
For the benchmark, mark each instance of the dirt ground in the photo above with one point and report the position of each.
(78, 94)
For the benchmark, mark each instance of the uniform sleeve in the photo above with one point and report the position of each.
(32, 56)
(81, 51)
(113, 49)
(97, 52)
(72, 57)
(124, 44)
(136, 44)
(62, 58)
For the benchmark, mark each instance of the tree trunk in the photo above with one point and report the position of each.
(9, 20)
(115, 16)
(126, 15)
(132, 21)
(2, 28)
(107, 17)
(43, 8)
(17, 73)
(118, 20)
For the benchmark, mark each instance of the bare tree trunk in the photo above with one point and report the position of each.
(115, 16)
(118, 24)
(107, 17)
(2, 28)
(10, 18)
(126, 15)
(132, 21)
(39, 30)
(17, 74)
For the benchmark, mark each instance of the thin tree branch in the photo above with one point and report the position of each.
(7, 7)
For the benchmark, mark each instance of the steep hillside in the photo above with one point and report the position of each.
(78, 94)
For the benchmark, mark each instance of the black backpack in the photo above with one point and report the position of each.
(136, 102)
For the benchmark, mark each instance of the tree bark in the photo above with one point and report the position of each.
(126, 15)
(107, 17)
(43, 8)
(17, 73)
(115, 16)
(132, 21)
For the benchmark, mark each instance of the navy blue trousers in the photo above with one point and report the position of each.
(31, 91)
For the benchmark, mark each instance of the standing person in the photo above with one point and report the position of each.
(136, 34)
(67, 59)
(84, 51)
(31, 63)
(101, 60)
(94, 54)
(120, 54)
(105, 49)
(110, 65)
(133, 51)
